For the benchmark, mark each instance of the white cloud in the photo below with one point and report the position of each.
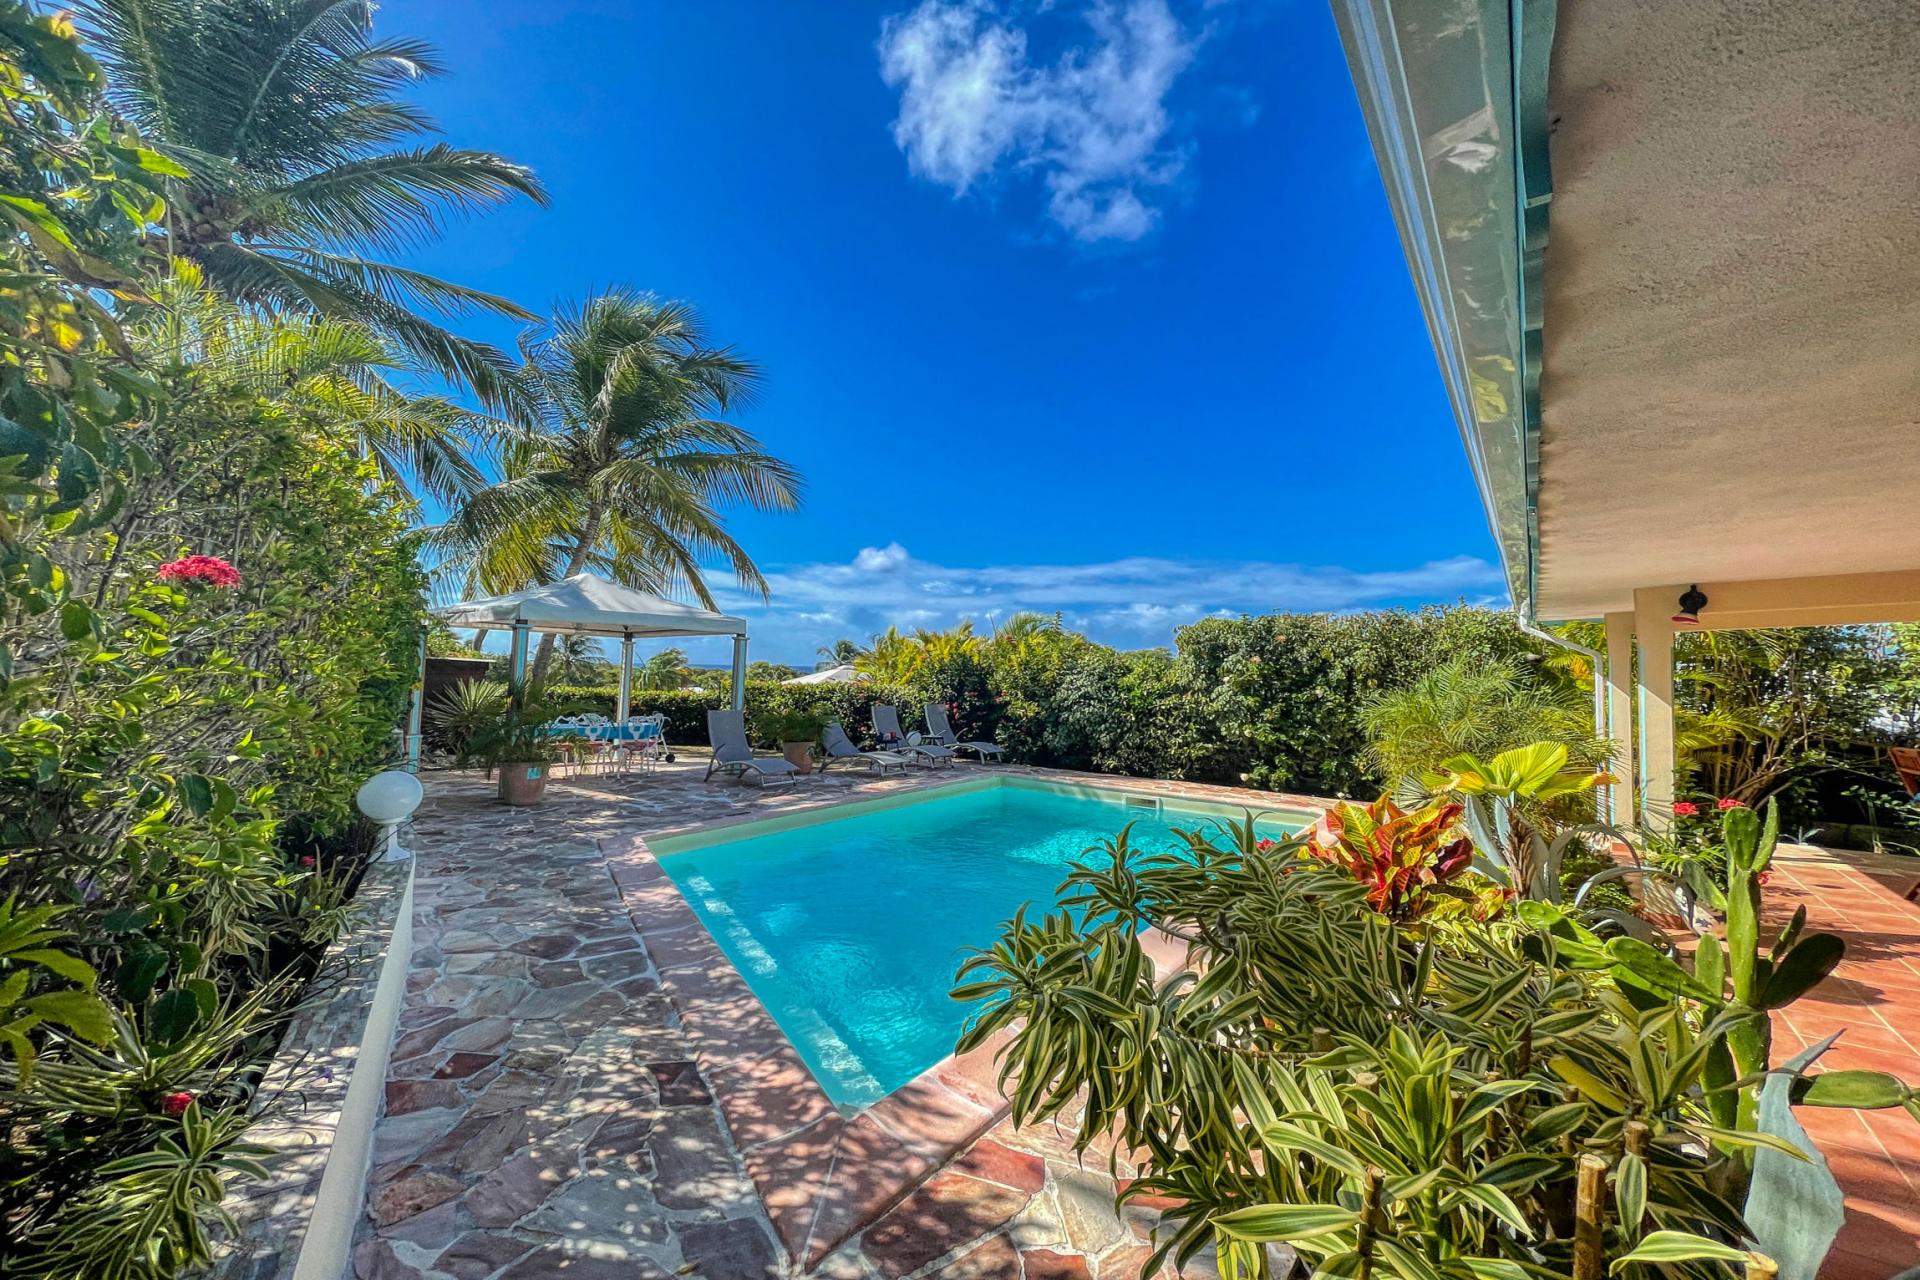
(1091, 124)
(880, 559)
(1132, 602)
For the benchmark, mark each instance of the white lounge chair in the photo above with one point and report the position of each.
(727, 731)
(886, 726)
(940, 729)
(840, 747)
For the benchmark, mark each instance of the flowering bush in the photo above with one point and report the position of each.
(199, 571)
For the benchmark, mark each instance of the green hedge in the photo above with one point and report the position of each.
(1267, 701)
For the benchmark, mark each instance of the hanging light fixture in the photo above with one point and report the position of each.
(1692, 601)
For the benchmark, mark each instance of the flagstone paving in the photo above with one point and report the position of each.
(548, 1112)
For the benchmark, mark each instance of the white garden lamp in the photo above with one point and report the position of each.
(389, 799)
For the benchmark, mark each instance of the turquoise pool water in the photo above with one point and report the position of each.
(849, 929)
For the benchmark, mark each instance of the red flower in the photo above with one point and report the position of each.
(199, 571)
(175, 1103)
(1763, 877)
(1728, 802)
(1685, 808)
(306, 860)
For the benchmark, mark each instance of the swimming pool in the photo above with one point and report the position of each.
(848, 922)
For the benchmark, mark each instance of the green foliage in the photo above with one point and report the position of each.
(1409, 1099)
(668, 669)
(1512, 804)
(776, 728)
(180, 737)
(304, 162)
(465, 712)
(1473, 706)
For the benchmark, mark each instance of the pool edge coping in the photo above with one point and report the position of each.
(821, 1174)
(824, 1175)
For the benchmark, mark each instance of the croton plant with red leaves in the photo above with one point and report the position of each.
(1408, 859)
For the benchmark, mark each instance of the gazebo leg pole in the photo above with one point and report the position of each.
(625, 704)
(416, 708)
(517, 663)
(739, 673)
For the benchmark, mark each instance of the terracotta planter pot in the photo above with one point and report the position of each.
(523, 784)
(799, 754)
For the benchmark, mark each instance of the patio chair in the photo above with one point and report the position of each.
(727, 731)
(886, 726)
(840, 747)
(596, 749)
(940, 729)
(645, 740)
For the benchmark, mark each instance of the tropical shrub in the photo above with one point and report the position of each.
(1473, 706)
(777, 728)
(1410, 862)
(180, 736)
(1463, 1099)
(210, 627)
(1513, 805)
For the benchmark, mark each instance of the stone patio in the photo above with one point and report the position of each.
(582, 1085)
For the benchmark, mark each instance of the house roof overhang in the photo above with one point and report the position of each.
(1669, 257)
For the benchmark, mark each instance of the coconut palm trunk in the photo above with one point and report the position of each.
(543, 657)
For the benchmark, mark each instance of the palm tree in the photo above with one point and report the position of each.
(1020, 628)
(579, 658)
(666, 669)
(943, 646)
(630, 466)
(285, 112)
(839, 653)
(892, 658)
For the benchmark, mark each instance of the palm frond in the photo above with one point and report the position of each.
(397, 201)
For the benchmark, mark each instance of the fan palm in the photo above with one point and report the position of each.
(630, 466)
(285, 113)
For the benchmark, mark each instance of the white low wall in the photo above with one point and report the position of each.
(322, 1096)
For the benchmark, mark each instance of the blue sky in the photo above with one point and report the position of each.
(1092, 306)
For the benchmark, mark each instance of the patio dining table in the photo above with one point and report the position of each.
(604, 732)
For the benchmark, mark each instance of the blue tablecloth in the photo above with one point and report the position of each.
(605, 732)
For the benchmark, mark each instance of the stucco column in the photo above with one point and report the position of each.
(1620, 730)
(1654, 628)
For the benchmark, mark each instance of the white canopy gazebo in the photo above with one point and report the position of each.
(841, 674)
(586, 605)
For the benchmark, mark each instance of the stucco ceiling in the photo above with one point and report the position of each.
(1731, 385)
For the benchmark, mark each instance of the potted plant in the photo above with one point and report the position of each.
(523, 757)
(794, 732)
(515, 743)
